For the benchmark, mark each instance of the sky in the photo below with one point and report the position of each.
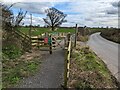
(90, 13)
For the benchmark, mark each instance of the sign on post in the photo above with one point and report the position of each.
(50, 43)
(49, 40)
(46, 40)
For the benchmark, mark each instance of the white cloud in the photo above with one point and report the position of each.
(89, 12)
(36, 20)
(92, 12)
(34, 7)
(36, 0)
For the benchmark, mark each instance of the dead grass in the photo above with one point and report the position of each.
(82, 38)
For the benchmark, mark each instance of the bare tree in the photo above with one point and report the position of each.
(54, 18)
(9, 22)
(6, 16)
(17, 20)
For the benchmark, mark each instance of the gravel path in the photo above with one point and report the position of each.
(50, 74)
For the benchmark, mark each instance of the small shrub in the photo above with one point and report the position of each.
(82, 38)
(11, 51)
(85, 50)
(90, 56)
(32, 66)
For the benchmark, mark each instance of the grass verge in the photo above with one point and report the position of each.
(15, 70)
(89, 71)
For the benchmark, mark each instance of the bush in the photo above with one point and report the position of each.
(111, 34)
(11, 51)
(82, 38)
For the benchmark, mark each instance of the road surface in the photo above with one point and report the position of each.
(107, 51)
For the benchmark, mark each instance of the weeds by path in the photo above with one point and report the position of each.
(15, 70)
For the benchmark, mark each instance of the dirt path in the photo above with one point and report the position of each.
(50, 74)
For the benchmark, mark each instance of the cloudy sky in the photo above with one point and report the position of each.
(91, 13)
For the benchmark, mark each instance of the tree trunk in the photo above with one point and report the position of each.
(52, 28)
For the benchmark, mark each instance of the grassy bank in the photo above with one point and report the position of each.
(112, 35)
(14, 70)
(88, 71)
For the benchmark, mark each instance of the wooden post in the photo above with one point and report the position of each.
(67, 61)
(30, 26)
(50, 45)
(64, 42)
(30, 30)
(76, 30)
(84, 31)
(68, 37)
(65, 69)
(38, 42)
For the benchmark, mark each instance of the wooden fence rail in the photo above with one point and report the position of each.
(37, 41)
(25, 41)
(67, 62)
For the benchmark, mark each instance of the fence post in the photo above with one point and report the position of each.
(38, 42)
(68, 37)
(76, 30)
(30, 31)
(67, 61)
(64, 42)
(65, 69)
(50, 45)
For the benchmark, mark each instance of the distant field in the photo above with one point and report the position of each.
(111, 34)
(38, 31)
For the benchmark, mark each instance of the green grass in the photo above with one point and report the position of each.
(15, 70)
(92, 63)
(38, 31)
(11, 51)
(66, 30)
(91, 71)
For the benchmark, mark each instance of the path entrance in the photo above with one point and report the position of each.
(51, 72)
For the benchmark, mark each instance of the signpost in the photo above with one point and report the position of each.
(76, 30)
(50, 43)
(46, 40)
(30, 30)
(49, 40)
